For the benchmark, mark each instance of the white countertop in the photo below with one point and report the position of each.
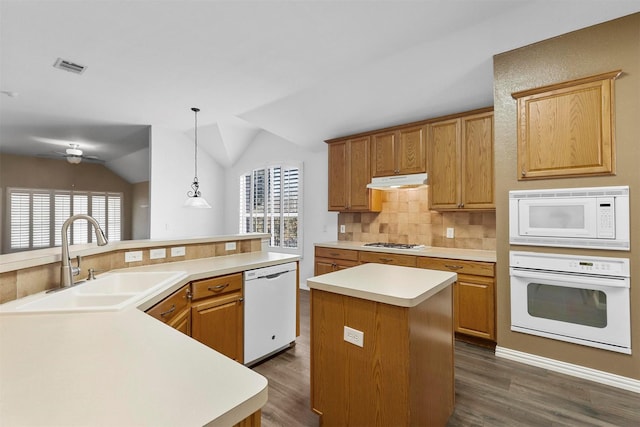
(389, 284)
(429, 251)
(125, 367)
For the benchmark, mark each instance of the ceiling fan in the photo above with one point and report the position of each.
(74, 155)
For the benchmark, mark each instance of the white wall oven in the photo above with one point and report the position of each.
(578, 299)
(594, 217)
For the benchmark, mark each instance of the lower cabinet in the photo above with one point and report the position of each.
(174, 310)
(216, 314)
(329, 259)
(473, 295)
(210, 311)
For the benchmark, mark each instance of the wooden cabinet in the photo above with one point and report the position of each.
(349, 174)
(567, 129)
(174, 310)
(217, 316)
(473, 295)
(398, 152)
(460, 153)
(329, 259)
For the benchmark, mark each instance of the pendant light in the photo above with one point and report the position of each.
(194, 197)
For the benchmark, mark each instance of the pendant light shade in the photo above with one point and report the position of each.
(194, 197)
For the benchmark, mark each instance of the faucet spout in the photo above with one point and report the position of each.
(67, 271)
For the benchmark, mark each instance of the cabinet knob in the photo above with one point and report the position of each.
(453, 267)
(523, 172)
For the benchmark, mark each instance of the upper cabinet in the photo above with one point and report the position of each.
(460, 153)
(567, 129)
(349, 174)
(398, 152)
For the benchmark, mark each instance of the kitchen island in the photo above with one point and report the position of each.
(382, 346)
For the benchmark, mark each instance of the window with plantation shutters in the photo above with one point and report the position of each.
(270, 202)
(35, 216)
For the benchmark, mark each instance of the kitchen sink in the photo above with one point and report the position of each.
(108, 292)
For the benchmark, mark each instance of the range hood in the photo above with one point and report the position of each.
(398, 181)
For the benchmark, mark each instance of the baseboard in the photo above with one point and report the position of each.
(602, 377)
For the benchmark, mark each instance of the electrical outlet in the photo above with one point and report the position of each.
(178, 251)
(133, 256)
(343, 228)
(230, 246)
(157, 253)
(354, 336)
(450, 233)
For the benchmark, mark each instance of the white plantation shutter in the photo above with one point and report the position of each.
(36, 216)
(270, 202)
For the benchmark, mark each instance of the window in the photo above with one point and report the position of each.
(36, 216)
(271, 202)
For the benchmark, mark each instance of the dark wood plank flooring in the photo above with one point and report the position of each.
(490, 391)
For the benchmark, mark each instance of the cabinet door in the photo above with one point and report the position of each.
(474, 308)
(383, 154)
(338, 180)
(324, 266)
(411, 156)
(477, 162)
(218, 323)
(444, 164)
(359, 174)
(182, 322)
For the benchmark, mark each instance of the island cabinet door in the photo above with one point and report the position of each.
(218, 322)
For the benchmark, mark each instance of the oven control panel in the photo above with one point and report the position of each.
(571, 263)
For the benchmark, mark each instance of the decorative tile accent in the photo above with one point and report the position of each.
(406, 218)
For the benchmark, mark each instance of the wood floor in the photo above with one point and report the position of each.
(490, 391)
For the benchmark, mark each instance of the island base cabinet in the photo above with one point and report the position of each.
(401, 376)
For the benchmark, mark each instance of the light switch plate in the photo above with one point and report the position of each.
(178, 251)
(343, 228)
(133, 256)
(230, 246)
(157, 253)
(354, 336)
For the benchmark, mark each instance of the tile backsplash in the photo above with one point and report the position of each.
(406, 218)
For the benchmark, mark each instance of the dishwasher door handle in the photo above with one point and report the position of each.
(274, 275)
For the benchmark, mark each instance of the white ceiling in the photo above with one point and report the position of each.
(304, 70)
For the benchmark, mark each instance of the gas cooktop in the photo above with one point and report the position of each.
(394, 245)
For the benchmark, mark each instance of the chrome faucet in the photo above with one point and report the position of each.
(67, 271)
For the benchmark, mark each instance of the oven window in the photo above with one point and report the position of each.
(581, 306)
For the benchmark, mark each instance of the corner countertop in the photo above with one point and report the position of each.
(389, 284)
(429, 251)
(125, 367)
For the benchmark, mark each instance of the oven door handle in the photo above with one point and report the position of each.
(572, 280)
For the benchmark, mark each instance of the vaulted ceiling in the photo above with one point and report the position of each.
(303, 70)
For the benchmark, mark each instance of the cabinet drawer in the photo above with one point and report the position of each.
(216, 286)
(167, 309)
(387, 258)
(345, 254)
(475, 268)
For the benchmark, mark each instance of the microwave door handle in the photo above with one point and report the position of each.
(572, 281)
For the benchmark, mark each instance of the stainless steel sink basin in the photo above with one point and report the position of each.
(108, 292)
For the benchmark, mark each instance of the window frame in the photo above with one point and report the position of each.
(54, 220)
(243, 216)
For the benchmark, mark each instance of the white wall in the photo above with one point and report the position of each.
(172, 170)
(319, 225)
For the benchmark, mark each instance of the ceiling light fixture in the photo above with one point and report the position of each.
(74, 154)
(194, 197)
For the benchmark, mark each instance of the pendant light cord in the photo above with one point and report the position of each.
(195, 110)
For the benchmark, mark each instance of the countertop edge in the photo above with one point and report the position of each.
(433, 251)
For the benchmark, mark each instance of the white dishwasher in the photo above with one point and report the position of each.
(269, 310)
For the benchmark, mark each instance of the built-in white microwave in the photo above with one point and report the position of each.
(594, 217)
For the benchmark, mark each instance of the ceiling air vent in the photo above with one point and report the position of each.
(69, 66)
